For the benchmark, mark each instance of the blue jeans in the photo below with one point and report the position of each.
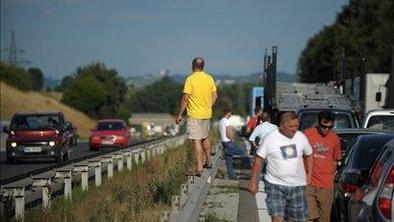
(229, 149)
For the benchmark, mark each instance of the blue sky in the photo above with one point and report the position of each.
(143, 37)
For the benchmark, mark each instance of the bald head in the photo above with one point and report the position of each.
(198, 64)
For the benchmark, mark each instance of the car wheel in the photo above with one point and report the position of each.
(91, 148)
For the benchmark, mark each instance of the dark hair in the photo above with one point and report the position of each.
(257, 109)
(326, 115)
(198, 63)
(226, 110)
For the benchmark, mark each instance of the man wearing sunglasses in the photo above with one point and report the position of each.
(326, 153)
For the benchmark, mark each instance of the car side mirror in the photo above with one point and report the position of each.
(351, 176)
(6, 130)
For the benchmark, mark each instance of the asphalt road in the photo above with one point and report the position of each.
(8, 170)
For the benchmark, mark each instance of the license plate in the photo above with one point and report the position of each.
(108, 142)
(32, 149)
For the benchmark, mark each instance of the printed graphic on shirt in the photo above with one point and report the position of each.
(289, 151)
(320, 150)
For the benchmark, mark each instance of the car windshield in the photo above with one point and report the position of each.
(110, 126)
(309, 119)
(368, 149)
(381, 122)
(35, 122)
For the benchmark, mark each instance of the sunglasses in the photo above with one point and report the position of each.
(326, 127)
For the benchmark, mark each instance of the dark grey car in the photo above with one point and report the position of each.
(373, 202)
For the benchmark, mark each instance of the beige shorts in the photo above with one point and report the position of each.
(197, 129)
(319, 202)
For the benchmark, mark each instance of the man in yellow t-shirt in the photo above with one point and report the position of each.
(199, 95)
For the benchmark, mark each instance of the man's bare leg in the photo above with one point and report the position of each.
(207, 149)
(197, 147)
(276, 219)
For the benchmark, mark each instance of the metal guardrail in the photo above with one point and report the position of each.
(43, 185)
(186, 207)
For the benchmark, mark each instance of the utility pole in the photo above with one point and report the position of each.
(13, 51)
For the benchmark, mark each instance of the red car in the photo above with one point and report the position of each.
(109, 133)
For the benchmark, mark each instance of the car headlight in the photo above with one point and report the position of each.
(51, 143)
(13, 144)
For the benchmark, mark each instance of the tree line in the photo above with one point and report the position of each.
(362, 32)
(100, 92)
(31, 79)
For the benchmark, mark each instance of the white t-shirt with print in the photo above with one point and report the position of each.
(224, 122)
(284, 156)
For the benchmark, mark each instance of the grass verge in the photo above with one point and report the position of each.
(137, 195)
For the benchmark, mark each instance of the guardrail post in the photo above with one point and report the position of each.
(97, 171)
(142, 152)
(84, 169)
(18, 194)
(136, 157)
(165, 216)
(128, 156)
(110, 165)
(66, 175)
(175, 205)
(148, 153)
(119, 157)
(184, 195)
(190, 182)
(45, 184)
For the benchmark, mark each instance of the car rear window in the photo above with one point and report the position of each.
(368, 149)
(381, 122)
(110, 126)
(35, 122)
(309, 119)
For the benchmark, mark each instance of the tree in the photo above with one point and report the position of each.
(37, 78)
(108, 79)
(86, 94)
(15, 76)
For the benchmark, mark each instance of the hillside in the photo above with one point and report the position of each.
(13, 100)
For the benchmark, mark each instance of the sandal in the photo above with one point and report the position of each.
(207, 165)
(196, 173)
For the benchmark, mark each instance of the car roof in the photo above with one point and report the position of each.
(360, 131)
(38, 113)
(321, 109)
(109, 120)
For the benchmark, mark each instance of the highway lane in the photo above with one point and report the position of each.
(29, 167)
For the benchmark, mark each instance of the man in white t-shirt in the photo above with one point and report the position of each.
(230, 147)
(286, 178)
(262, 130)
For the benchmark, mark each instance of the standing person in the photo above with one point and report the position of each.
(326, 148)
(251, 125)
(263, 129)
(284, 149)
(230, 147)
(199, 95)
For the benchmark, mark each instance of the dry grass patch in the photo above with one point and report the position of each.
(12, 100)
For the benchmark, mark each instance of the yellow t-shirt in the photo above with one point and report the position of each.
(199, 86)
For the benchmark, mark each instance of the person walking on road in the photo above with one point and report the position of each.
(230, 147)
(285, 150)
(199, 95)
(326, 148)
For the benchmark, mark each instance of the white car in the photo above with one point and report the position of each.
(380, 119)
